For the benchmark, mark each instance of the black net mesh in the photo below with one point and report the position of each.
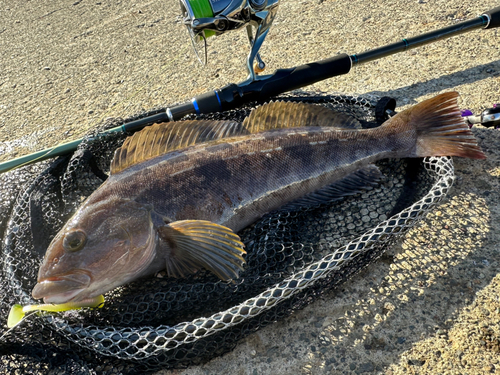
(292, 257)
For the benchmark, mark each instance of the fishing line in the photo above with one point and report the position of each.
(141, 88)
(262, 88)
(118, 107)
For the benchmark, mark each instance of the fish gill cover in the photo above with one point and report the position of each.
(292, 258)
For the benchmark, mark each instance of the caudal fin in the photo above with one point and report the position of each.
(440, 128)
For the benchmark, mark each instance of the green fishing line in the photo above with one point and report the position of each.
(202, 9)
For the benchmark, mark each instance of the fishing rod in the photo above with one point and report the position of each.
(262, 88)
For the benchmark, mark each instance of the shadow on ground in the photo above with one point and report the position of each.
(444, 82)
(422, 290)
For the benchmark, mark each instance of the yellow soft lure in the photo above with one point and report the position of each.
(17, 312)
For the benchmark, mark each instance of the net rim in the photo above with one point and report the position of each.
(187, 332)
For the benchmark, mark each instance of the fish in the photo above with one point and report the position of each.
(178, 193)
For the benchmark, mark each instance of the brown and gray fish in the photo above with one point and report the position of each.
(178, 192)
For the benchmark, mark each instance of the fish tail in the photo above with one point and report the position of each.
(440, 129)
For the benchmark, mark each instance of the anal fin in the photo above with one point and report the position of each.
(355, 183)
(196, 244)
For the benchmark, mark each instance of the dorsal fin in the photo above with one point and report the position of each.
(159, 139)
(277, 115)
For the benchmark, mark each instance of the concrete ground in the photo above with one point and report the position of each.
(431, 306)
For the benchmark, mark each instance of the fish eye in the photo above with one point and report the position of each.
(74, 241)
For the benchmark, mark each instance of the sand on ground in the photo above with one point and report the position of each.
(431, 305)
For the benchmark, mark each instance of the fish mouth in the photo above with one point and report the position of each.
(61, 289)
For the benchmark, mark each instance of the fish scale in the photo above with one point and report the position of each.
(251, 168)
(180, 210)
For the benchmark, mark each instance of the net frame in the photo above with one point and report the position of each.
(149, 347)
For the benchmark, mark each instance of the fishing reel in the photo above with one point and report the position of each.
(206, 18)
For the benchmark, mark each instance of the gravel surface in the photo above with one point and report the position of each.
(430, 305)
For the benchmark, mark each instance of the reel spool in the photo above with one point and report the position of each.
(206, 18)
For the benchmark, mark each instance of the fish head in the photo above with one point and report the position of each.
(104, 245)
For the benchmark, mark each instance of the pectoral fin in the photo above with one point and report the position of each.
(196, 244)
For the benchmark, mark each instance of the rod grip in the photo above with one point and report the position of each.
(290, 79)
(282, 80)
(494, 16)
